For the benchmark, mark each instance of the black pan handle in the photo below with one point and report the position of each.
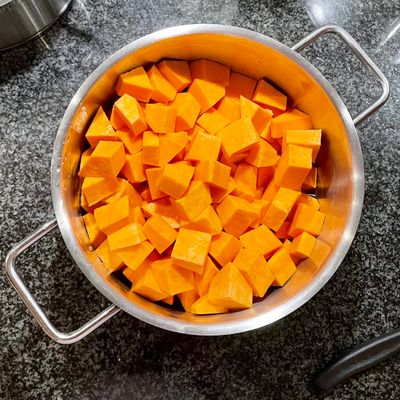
(360, 359)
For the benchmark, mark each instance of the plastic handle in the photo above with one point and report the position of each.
(361, 55)
(33, 306)
(360, 359)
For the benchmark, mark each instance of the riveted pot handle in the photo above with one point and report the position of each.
(33, 306)
(361, 55)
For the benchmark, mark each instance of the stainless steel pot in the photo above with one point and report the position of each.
(21, 20)
(341, 185)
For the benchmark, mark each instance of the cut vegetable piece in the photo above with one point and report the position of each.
(236, 215)
(110, 260)
(106, 160)
(171, 144)
(309, 201)
(238, 137)
(203, 146)
(172, 280)
(283, 231)
(153, 180)
(137, 215)
(96, 236)
(131, 113)
(177, 72)
(115, 120)
(163, 91)
(191, 249)
(280, 207)
(147, 286)
(282, 267)
(206, 93)
(84, 157)
(262, 155)
(303, 245)
(127, 236)
(230, 289)
(293, 166)
(260, 117)
(224, 248)
(267, 95)
(160, 117)
(187, 111)
(246, 173)
(270, 192)
(175, 179)
(254, 268)
(213, 172)
(134, 256)
(306, 219)
(307, 138)
(287, 244)
(97, 189)
(159, 233)
(100, 129)
(114, 216)
(169, 300)
(212, 121)
(151, 148)
(262, 240)
(320, 253)
(241, 85)
(229, 107)
(208, 221)
(136, 83)
(218, 195)
(203, 306)
(244, 191)
(209, 70)
(311, 180)
(188, 298)
(133, 144)
(260, 207)
(291, 119)
(202, 282)
(133, 169)
(264, 176)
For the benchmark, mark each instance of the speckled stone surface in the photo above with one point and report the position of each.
(125, 358)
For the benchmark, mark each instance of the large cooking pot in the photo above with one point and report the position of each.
(340, 188)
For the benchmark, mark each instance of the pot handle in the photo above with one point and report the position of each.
(33, 306)
(361, 55)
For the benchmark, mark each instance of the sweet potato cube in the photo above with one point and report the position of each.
(283, 231)
(187, 111)
(311, 180)
(306, 219)
(262, 240)
(307, 200)
(147, 286)
(115, 120)
(210, 71)
(260, 207)
(264, 176)
(203, 146)
(191, 249)
(175, 179)
(307, 138)
(270, 192)
(262, 155)
(113, 216)
(130, 111)
(224, 248)
(266, 94)
(163, 91)
(127, 236)
(213, 172)
(96, 236)
(254, 268)
(229, 107)
(293, 166)
(84, 157)
(202, 281)
(208, 221)
(260, 117)
(287, 244)
(133, 170)
(241, 85)
(172, 279)
(133, 144)
(282, 267)
(230, 289)
(134, 256)
(280, 207)
(153, 180)
(160, 117)
(169, 300)
(246, 173)
(206, 93)
(136, 83)
(244, 191)
(106, 160)
(196, 199)
(97, 189)
(159, 233)
(212, 121)
(151, 148)
(110, 260)
(203, 306)
(188, 298)
(100, 129)
(165, 209)
(218, 194)
(177, 72)
(171, 144)
(238, 137)
(291, 119)
(303, 245)
(320, 253)
(236, 214)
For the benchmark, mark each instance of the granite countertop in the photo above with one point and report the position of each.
(126, 358)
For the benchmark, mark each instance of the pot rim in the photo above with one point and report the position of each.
(223, 327)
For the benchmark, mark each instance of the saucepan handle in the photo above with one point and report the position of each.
(362, 56)
(33, 306)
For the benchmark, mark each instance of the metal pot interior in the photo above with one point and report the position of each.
(341, 175)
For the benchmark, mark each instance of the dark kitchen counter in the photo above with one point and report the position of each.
(126, 358)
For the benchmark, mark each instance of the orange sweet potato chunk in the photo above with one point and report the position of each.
(136, 83)
(210, 71)
(177, 72)
(163, 91)
(175, 179)
(202, 281)
(96, 236)
(262, 240)
(187, 111)
(291, 119)
(100, 129)
(160, 117)
(129, 235)
(133, 144)
(130, 111)
(206, 93)
(266, 94)
(159, 233)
